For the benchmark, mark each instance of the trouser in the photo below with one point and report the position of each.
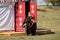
(31, 30)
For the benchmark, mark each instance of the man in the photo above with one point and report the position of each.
(30, 25)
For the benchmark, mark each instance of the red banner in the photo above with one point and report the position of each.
(21, 9)
(20, 17)
(33, 10)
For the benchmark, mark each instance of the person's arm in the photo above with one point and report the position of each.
(24, 23)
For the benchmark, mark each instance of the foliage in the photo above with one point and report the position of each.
(53, 0)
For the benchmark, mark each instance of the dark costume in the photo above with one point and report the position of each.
(30, 26)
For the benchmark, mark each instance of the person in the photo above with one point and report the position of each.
(30, 25)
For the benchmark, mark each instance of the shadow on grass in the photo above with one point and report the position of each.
(43, 10)
(44, 31)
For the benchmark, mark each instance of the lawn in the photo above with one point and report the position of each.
(48, 18)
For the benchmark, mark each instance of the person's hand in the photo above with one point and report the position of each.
(32, 20)
(24, 25)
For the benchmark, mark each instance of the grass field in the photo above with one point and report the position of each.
(48, 18)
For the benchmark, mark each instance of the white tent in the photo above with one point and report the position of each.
(6, 16)
(41, 2)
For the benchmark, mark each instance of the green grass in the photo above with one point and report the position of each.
(50, 19)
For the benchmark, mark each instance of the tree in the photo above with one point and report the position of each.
(54, 2)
